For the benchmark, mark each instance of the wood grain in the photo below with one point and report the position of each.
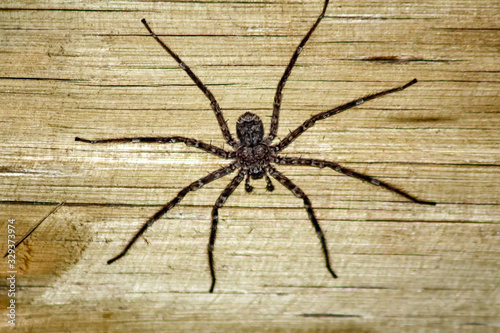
(89, 69)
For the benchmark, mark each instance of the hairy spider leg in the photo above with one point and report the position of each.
(307, 203)
(213, 102)
(182, 193)
(215, 219)
(323, 115)
(348, 172)
(286, 74)
(209, 148)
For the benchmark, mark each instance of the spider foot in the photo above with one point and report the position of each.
(84, 140)
(112, 260)
(212, 286)
(332, 272)
(423, 202)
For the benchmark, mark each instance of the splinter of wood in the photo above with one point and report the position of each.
(26, 235)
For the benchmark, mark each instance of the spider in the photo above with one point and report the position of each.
(254, 153)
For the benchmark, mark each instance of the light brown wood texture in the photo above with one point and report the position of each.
(90, 69)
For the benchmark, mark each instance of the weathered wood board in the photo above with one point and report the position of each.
(70, 68)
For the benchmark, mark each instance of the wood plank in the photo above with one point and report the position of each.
(89, 69)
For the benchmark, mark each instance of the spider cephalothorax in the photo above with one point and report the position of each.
(255, 155)
(252, 153)
(250, 129)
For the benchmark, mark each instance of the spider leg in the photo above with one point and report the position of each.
(286, 74)
(348, 172)
(307, 203)
(215, 219)
(213, 102)
(169, 139)
(323, 115)
(192, 187)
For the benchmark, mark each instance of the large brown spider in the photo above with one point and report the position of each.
(253, 153)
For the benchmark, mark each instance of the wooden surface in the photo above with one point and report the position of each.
(89, 69)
